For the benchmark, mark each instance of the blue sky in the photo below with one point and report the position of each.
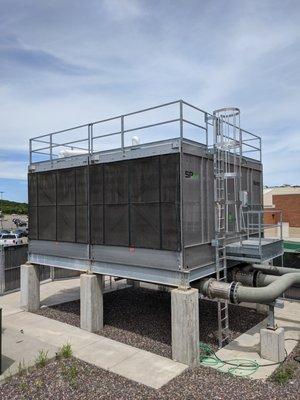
(64, 62)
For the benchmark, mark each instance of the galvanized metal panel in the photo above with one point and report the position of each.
(131, 153)
(61, 249)
(60, 163)
(66, 223)
(137, 257)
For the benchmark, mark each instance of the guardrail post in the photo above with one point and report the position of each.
(51, 142)
(122, 132)
(181, 118)
(30, 151)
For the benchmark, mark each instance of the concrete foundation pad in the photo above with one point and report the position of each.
(248, 344)
(272, 344)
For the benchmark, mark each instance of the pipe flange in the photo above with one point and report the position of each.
(209, 284)
(233, 292)
(256, 278)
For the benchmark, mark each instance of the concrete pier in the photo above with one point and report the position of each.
(272, 344)
(30, 288)
(135, 284)
(185, 326)
(91, 302)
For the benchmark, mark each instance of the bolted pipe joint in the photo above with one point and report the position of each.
(220, 290)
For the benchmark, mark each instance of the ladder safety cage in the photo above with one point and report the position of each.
(227, 158)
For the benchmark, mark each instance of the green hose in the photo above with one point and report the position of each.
(238, 366)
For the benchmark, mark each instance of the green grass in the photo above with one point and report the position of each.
(65, 351)
(283, 374)
(42, 358)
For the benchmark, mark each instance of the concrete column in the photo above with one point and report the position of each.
(91, 302)
(272, 344)
(135, 284)
(30, 287)
(185, 326)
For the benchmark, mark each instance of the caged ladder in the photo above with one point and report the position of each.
(227, 187)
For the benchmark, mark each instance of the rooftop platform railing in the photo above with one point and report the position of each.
(175, 120)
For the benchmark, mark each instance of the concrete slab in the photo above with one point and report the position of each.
(149, 369)
(105, 353)
(248, 344)
(26, 333)
(21, 350)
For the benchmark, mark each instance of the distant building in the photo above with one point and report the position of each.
(287, 199)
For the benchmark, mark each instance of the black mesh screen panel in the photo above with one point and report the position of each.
(170, 178)
(81, 224)
(116, 183)
(145, 227)
(47, 188)
(66, 187)
(144, 180)
(170, 226)
(32, 222)
(32, 189)
(116, 225)
(47, 222)
(96, 184)
(66, 223)
(96, 224)
(81, 185)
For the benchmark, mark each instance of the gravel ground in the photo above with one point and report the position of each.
(77, 380)
(142, 318)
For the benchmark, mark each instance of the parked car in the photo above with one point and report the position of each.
(19, 222)
(10, 239)
(20, 233)
(4, 231)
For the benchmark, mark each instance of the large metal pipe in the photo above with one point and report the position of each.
(236, 293)
(253, 278)
(273, 270)
(267, 294)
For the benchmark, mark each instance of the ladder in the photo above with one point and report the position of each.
(227, 187)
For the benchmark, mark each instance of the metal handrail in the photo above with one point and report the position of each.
(51, 142)
(254, 228)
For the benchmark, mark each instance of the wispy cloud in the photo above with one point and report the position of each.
(64, 62)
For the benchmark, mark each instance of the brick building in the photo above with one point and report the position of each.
(286, 199)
